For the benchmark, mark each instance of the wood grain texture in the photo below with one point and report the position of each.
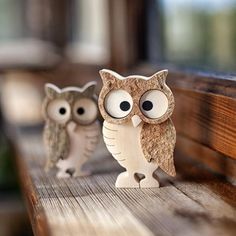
(194, 80)
(209, 119)
(209, 158)
(158, 143)
(188, 205)
(35, 210)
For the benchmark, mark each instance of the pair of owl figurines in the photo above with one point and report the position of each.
(137, 128)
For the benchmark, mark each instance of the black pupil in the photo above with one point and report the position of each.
(62, 110)
(124, 106)
(80, 111)
(147, 106)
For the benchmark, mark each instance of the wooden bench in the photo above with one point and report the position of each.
(196, 202)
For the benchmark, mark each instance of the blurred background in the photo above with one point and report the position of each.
(66, 42)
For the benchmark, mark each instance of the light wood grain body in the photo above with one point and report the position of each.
(123, 141)
(83, 141)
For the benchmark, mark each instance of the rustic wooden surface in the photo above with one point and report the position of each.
(210, 117)
(195, 203)
(211, 159)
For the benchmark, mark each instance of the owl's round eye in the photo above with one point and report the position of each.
(59, 110)
(154, 104)
(85, 111)
(80, 111)
(62, 110)
(118, 103)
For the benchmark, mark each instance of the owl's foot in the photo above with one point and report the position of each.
(81, 173)
(125, 180)
(63, 174)
(149, 182)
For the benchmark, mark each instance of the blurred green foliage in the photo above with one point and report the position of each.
(200, 34)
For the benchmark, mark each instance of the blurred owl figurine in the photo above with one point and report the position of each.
(137, 130)
(72, 130)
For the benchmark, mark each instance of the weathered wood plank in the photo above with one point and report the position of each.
(193, 80)
(93, 206)
(35, 210)
(215, 197)
(211, 159)
(209, 119)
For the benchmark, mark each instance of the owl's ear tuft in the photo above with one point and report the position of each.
(160, 76)
(89, 89)
(51, 90)
(109, 76)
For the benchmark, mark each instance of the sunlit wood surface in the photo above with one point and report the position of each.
(194, 203)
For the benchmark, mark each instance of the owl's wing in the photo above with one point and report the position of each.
(62, 145)
(158, 142)
(57, 143)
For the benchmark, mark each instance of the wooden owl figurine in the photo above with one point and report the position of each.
(137, 129)
(71, 131)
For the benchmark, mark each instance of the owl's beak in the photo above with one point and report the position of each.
(72, 125)
(136, 120)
